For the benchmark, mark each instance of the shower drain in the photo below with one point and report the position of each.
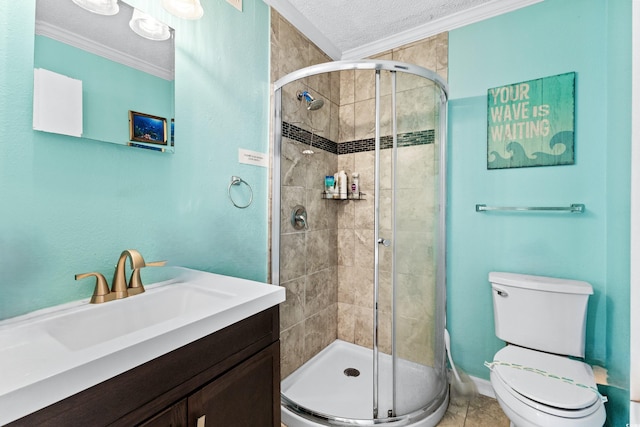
(351, 372)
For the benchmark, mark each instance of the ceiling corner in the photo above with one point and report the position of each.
(306, 27)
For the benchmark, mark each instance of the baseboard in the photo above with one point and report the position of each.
(483, 386)
(634, 413)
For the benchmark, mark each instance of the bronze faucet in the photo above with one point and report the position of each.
(101, 292)
(135, 283)
(119, 287)
(119, 283)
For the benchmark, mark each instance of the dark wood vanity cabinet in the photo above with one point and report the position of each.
(173, 416)
(238, 397)
(230, 378)
(241, 397)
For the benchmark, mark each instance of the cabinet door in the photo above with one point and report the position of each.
(246, 396)
(174, 416)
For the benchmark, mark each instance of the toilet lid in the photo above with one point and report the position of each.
(546, 378)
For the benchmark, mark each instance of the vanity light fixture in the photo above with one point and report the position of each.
(186, 9)
(148, 27)
(101, 7)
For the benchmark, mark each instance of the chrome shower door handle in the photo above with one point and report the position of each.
(384, 242)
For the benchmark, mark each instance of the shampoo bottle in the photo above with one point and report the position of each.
(355, 185)
(342, 182)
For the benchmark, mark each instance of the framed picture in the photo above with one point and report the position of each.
(147, 128)
(531, 123)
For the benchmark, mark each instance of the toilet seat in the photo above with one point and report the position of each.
(502, 390)
(553, 384)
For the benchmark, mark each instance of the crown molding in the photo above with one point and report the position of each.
(448, 23)
(431, 28)
(65, 36)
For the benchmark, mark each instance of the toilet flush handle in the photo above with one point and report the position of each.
(501, 292)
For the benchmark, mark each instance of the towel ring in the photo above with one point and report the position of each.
(236, 180)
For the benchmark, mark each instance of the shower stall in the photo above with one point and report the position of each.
(362, 330)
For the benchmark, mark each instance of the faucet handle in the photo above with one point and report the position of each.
(101, 291)
(155, 264)
(135, 282)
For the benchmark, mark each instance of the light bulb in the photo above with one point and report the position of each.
(101, 7)
(148, 27)
(186, 9)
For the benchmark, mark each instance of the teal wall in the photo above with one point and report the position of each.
(592, 38)
(71, 205)
(109, 89)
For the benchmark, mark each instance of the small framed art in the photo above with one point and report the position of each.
(147, 128)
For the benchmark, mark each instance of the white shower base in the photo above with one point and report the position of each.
(321, 386)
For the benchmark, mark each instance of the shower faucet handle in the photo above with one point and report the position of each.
(299, 218)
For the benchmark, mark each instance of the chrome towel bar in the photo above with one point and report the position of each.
(573, 208)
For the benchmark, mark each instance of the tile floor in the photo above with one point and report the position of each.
(478, 411)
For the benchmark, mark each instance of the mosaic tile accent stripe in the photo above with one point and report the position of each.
(304, 136)
(404, 140)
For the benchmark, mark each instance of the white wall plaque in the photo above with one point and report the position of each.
(255, 158)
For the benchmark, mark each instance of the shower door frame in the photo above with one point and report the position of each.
(377, 66)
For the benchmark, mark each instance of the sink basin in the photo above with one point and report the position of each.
(81, 329)
(54, 353)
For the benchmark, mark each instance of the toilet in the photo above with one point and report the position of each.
(543, 322)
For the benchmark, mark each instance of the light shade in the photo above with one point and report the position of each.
(148, 27)
(101, 7)
(186, 9)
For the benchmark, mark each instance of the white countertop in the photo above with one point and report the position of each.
(54, 353)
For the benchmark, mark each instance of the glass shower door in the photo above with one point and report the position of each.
(418, 330)
(408, 303)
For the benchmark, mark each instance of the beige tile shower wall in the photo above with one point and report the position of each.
(291, 51)
(415, 265)
(308, 258)
(355, 254)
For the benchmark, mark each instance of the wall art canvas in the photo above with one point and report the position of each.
(531, 123)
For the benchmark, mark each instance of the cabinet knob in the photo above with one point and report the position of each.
(201, 421)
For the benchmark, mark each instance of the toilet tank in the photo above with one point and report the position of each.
(541, 313)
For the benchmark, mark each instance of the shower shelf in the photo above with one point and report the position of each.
(349, 196)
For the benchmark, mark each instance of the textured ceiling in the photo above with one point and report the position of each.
(350, 29)
(353, 23)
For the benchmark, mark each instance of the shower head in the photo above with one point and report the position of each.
(312, 104)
